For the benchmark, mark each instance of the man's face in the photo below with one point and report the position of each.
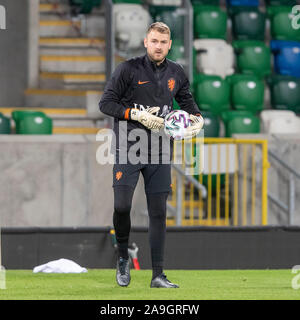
(157, 45)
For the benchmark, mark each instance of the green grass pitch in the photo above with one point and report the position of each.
(100, 284)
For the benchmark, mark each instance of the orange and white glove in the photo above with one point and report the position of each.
(194, 128)
(147, 118)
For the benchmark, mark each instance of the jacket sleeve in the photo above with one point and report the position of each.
(114, 91)
(184, 96)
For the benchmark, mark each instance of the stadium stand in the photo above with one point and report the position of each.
(5, 127)
(247, 92)
(280, 121)
(285, 92)
(209, 22)
(211, 124)
(212, 93)
(128, 17)
(214, 57)
(84, 6)
(248, 23)
(286, 57)
(253, 57)
(240, 122)
(254, 3)
(281, 26)
(31, 122)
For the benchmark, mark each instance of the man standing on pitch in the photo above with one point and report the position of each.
(141, 92)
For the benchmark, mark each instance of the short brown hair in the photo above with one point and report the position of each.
(160, 27)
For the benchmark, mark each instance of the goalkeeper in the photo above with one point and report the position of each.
(150, 80)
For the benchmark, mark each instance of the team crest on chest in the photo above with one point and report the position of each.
(171, 84)
(119, 175)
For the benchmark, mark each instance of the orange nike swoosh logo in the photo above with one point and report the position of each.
(142, 82)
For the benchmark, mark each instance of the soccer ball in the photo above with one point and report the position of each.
(176, 123)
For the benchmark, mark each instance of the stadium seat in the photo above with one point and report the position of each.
(84, 6)
(175, 105)
(131, 24)
(211, 124)
(206, 2)
(210, 22)
(4, 124)
(286, 57)
(246, 3)
(248, 23)
(281, 23)
(129, 1)
(285, 92)
(253, 57)
(214, 57)
(18, 115)
(240, 122)
(281, 2)
(279, 121)
(177, 51)
(172, 17)
(247, 92)
(212, 93)
(34, 124)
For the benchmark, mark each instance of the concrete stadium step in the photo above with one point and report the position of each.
(75, 130)
(48, 42)
(75, 64)
(52, 98)
(54, 7)
(91, 26)
(65, 121)
(71, 51)
(72, 81)
(60, 113)
(60, 28)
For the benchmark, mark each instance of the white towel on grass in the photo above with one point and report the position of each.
(60, 266)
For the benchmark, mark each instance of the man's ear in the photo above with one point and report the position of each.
(170, 44)
(145, 42)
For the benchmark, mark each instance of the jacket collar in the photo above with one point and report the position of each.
(153, 65)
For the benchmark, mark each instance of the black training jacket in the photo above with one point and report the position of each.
(140, 83)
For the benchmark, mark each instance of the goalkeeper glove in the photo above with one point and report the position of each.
(194, 128)
(147, 118)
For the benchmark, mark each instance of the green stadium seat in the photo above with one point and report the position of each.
(85, 6)
(253, 57)
(281, 23)
(206, 2)
(175, 105)
(240, 122)
(285, 92)
(213, 181)
(247, 92)
(248, 23)
(281, 2)
(172, 17)
(210, 22)
(128, 1)
(212, 93)
(211, 124)
(177, 51)
(4, 124)
(33, 124)
(18, 115)
(41, 124)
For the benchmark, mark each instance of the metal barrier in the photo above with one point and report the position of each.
(233, 184)
(290, 207)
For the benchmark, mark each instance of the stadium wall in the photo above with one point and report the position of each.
(186, 248)
(14, 44)
(55, 181)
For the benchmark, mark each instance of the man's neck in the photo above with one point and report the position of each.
(155, 62)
